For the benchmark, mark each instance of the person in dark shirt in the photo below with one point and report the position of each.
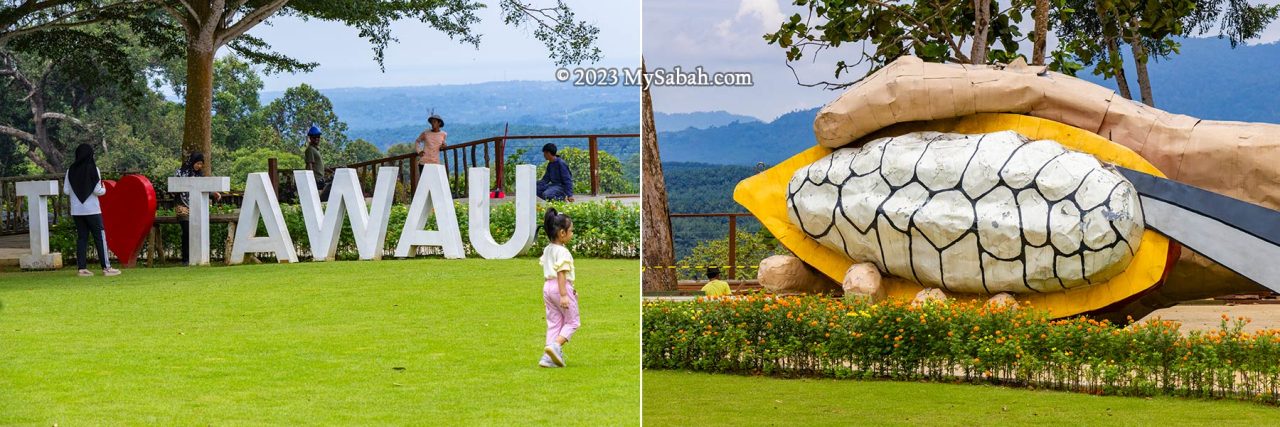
(315, 163)
(557, 181)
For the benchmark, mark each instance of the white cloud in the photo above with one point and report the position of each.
(766, 11)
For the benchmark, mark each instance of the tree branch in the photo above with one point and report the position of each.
(248, 21)
(65, 117)
(17, 133)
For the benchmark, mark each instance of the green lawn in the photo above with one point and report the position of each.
(686, 398)
(336, 343)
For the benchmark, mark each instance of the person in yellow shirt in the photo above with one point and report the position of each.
(716, 287)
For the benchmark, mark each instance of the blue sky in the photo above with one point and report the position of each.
(425, 56)
(726, 35)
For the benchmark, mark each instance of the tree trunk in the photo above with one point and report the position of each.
(1140, 62)
(981, 26)
(1113, 51)
(1041, 32)
(657, 244)
(197, 129)
(53, 158)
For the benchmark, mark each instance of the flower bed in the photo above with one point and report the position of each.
(958, 341)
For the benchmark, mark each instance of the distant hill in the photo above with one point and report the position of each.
(1208, 80)
(703, 188)
(551, 104)
(622, 148)
(671, 122)
(741, 143)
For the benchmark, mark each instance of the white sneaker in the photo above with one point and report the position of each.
(110, 272)
(85, 273)
(546, 362)
(556, 355)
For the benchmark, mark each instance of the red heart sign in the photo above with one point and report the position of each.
(128, 210)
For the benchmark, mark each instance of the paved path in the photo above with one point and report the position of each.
(11, 248)
(1205, 317)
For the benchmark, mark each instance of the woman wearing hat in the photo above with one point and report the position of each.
(430, 141)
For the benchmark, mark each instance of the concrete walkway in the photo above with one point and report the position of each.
(11, 248)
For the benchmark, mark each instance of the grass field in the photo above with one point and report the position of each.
(686, 398)
(337, 343)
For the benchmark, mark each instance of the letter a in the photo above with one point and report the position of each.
(260, 199)
(433, 190)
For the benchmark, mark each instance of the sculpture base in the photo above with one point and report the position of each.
(51, 261)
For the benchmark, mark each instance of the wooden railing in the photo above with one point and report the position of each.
(733, 235)
(458, 159)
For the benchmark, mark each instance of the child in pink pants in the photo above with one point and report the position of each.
(557, 293)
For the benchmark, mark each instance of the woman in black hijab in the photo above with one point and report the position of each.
(84, 184)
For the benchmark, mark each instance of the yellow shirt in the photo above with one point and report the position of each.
(716, 288)
(556, 258)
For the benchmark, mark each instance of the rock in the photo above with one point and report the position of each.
(786, 274)
(929, 295)
(1003, 299)
(862, 281)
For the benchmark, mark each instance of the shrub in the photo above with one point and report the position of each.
(959, 341)
(751, 248)
(602, 229)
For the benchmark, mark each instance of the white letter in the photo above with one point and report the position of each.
(432, 188)
(526, 214)
(37, 194)
(345, 197)
(198, 189)
(258, 198)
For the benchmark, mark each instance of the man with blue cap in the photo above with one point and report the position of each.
(314, 162)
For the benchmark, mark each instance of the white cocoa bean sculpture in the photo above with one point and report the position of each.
(985, 213)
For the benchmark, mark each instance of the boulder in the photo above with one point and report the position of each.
(1004, 299)
(863, 281)
(928, 295)
(786, 274)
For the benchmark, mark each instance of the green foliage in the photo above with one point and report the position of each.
(612, 179)
(236, 119)
(299, 108)
(249, 160)
(360, 151)
(602, 229)
(959, 341)
(750, 249)
(1084, 26)
(398, 149)
(569, 41)
(933, 31)
(704, 188)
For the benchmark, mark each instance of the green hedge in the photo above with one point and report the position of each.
(816, 336)
(602, 229)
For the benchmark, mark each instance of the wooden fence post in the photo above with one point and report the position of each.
(594, 148)
(274, 171)
(733, 246)
(501, 160)
(413, 176)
